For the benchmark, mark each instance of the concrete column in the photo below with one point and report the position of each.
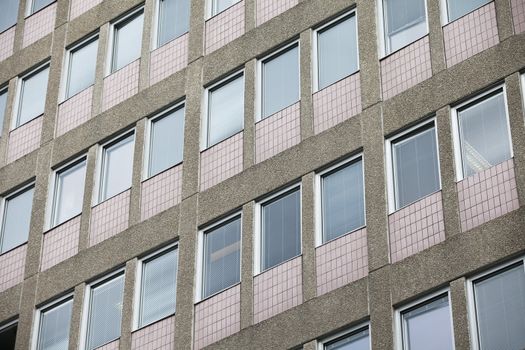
(89, 186)
(381, 317)
(437, 46)
(100, 72)
(138, 156)
(308, 236)
(247, 265)
(25, 318)
(249, 113)
(127, 306)
(307, 118)
(196, 38)
(147, 32)
(8, 116)
(76, 317)
(504, 18)
(458, 302)
(249, 13)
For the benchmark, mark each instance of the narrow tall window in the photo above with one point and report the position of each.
(220, 5)
(173, 20)
(37, 5)
(16, 219)
(81, 65)
(355, 340)
(117, 167)
(68, 192)
(459, 8)
(404, 22)
(127, 40)
(54, 325)
(8, 335)
(9, 14)
(32, 99)
(3, 106)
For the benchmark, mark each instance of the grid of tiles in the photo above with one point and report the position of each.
(78, 7)
(416, 227)
(337, 102)
(406, 68)
(114, 345)
(161, 192)
(120, 85)
(277, 290)
(24, 139)
(61, 243)
(518, 15)
(267, 9)
(39, 25)
(277, 133)
(487, 195)
(7, 42)
(341, 261)
(158, 336)
(168, 59)
(225, 27)
(221, 161)
(12, 265)
(109, 218)
(218, 317)
(471, 34)
(74, 111)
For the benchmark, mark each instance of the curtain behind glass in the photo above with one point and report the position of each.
(54, 327)
(167, 133)
(174, 19)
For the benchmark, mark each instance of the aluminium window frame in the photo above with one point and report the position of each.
(320, 344)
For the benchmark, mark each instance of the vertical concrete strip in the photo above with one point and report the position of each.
(196, 39)
(147, 32)
(89, 186)
(437, 49)
(460, 322)
(308, 236)
(76, 317)
(381, 312)
(127, 305)
(247, 254)
(504, 18)
(138, 156)
(100, 71)
(249, 113)
(307, 117)
(25, 318)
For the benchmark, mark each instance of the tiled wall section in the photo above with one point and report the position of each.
(7, 42)
(405, 68)
(109, 218)
(78, 7)
(12, 265)
(218, 317)
(39, 25)
(267, 9)
(221, 161)
(487, 195)
(24, 139)
(518, 15)
(168, 59)
(341, 261)
(121, 85)
(60, 243)
(471, 34)
(114, 345)
(161, 192)
(277, 133)
(416, 227)
(277, 290)
(224, 27)
(337, 102)
(74, 111)
(158, 336)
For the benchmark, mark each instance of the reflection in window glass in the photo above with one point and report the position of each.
(221, 5)
(117, 167)
(32, 96)
(8, 15)
(127, 41)
(37, 5)
(16, 219)
(405, 21)
(459, 8)
(69, 193)
(54, 327)
(355, 341)
(3, 106)
(174, 19)
(82, 62)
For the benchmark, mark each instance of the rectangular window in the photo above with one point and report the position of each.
(404, 21)
(280, 80)
(53, 326)
(8, 335)
(459, 8)
(3, 106)
(9, 14)
(337, 54)
(16, 219)
(218, 6)
(81, 63)
(32, 96)
(356, 339)
(68, 192)
(37, 5)
(173, 20)
(127, 40)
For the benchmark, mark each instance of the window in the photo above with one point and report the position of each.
(53, 325)
(221, 259)
(9, 14)
(459, 8)
(173, 20)
(158, 286)
(225, 112)
(32, 96)
(342, 199)
(355, 339)
(37, 5)
(81, 63)
(483, 133)
(16, 218)
(218, 6)
(117, 167)
(3, 106)
(127, 40)
(280, 80)
(68, 192)
(337, 54)
(8, 335)
(415, 165)
(104, 312)
(166, 132)
(404, 22)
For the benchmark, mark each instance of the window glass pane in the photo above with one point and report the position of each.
(9, 14)
(3, 106)
(40, 4)
(118, 167)
(174, 19)
(221, 5)
(82, 62)
(54, 327)
(105, 313)
(428, 327)
(16, 220)
(69, 193)
(459, 8)
(32, 96)
(281, 230)
(405, 22)
(484, 135)
(8, 337)
(500, 306)
(225, 111)
(167, 133)
(416, 172)
(280, 79)
(343, 201)
(337, 51)
(222, 257)
(127, 41)
(159, 284)
(355, 341)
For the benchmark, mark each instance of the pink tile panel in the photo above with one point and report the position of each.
(120, 85)
(60, 243)
(168, 59)
(24, 139)
(341, 261)
(74, 111)
(7, 42)
(337, 103)
(78, 7)
(277, 132)
(518, 15)
(405, 68)
(218, 317)
(277, 290)
(224, 27)
(487, 195)
(39, 24)
(416, 227)
(267, 9)
(161, 192)
(157, 336)
(114, 345)
(12, 265)
(221, 161)
(109, 218)
(470, 34)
